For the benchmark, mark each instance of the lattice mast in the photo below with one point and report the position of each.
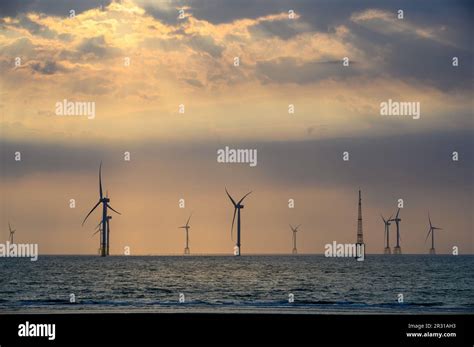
(360, 233)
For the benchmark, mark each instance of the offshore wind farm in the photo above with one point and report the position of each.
(148, 118)
(142, 272)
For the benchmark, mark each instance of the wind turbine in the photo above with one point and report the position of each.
(397, 249)
(295, 230)
(237, 208)
(186, 250)
(105, 205)
(12, 231)
(387, 235)
(431, 230)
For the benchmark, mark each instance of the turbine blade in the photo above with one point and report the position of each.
(383, 219)
(112, 209)
(291, 226)
(429, 219)
(230, 197)
(100, 179)
(98, 225)
(93, 208)
(232, 228)
(397, 214)
(187, 223)
(244, 197)
(427, 235)
(9, 227)
(95, 232)
(296, 229)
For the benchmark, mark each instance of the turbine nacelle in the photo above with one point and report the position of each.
(396, 219)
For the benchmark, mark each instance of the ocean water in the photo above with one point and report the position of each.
(429, 284)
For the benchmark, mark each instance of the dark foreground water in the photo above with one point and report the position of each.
(429, 284)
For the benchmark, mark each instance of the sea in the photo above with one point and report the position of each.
(312, 284)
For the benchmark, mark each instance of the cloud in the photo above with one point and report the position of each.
(22, 47)
(97, 48)
(165, 11)
(389, 24)
(283, 29)
(92, 86)
(406, 50)
(290, 70)
(401, 160)
(194, 82)
(206, 44)
(47, 67)
(34, 28)
(12, 8)
(191, 61)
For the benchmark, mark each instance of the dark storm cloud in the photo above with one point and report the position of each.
(430, 63)
(322, 14)
(290, 70)
(61, 8)
(411, 57)
(405, 55)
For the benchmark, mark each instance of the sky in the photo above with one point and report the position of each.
(139, 60)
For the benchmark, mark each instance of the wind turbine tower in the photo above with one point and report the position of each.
(108, 232)
(387, 235)
(360, 235)
(397, 249)
(187, 226)
(12, 231)
(99, 230)
(431, 231)
(294, 230)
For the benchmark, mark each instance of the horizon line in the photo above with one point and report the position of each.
(232, 255)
